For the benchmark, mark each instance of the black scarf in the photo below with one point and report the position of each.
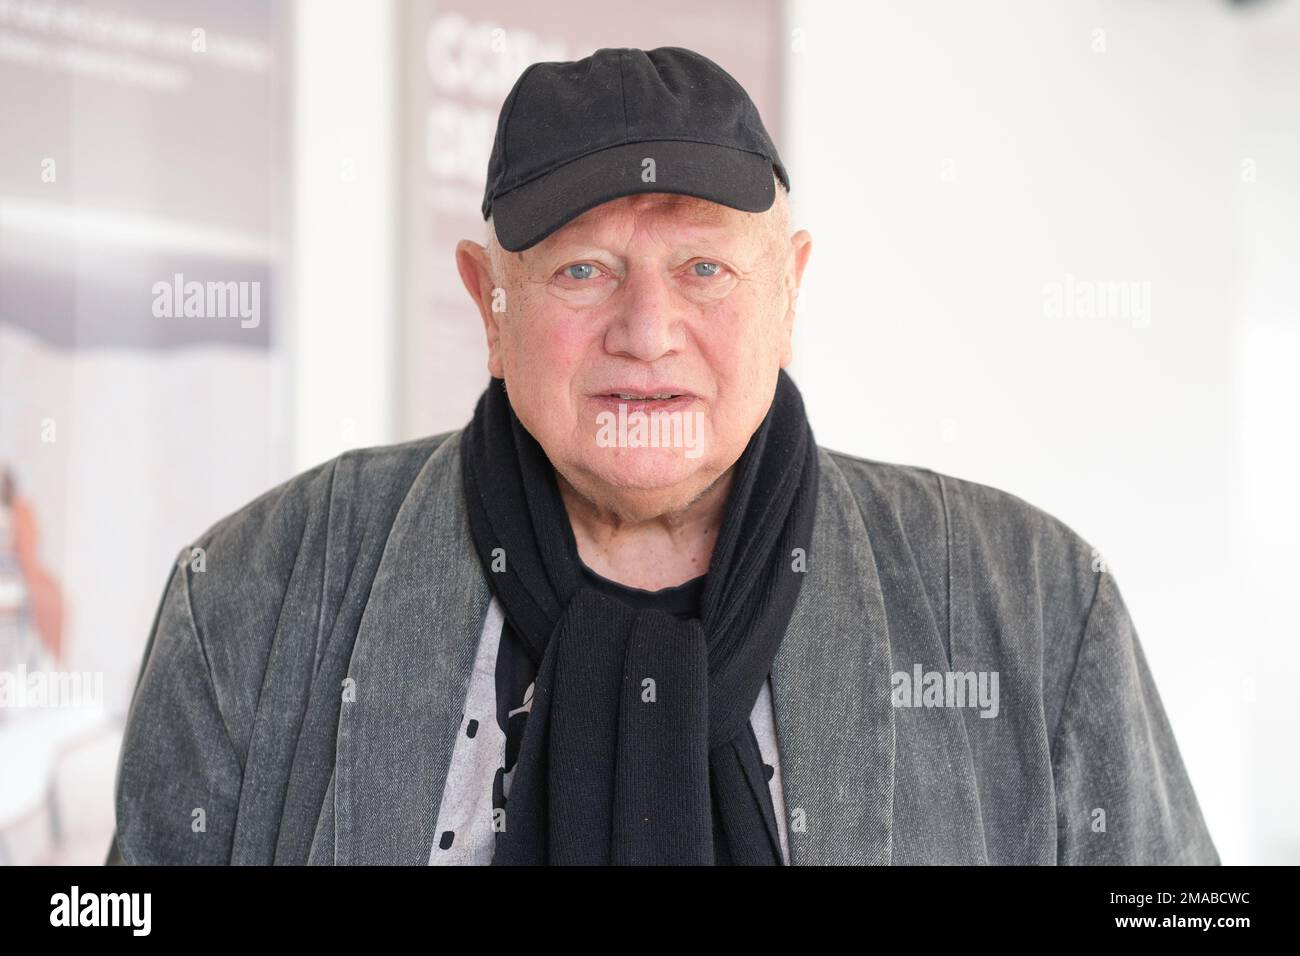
(638, 747)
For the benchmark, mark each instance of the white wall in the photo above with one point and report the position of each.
(953, 159)
(344, 270)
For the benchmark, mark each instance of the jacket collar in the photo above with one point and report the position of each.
(415, 649)
(411, 662)
(830, 680)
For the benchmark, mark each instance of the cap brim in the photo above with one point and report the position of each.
(731, 177)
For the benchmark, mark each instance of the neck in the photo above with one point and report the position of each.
(649, 553)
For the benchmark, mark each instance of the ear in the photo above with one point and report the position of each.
(475, 268)
(800, 250)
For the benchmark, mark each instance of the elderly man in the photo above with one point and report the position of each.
(633, 613)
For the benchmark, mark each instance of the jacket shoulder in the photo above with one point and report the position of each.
(987, 554)
(994, 522)
(294, 554)
(373, 475)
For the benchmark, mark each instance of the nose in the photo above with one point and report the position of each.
(648, 322)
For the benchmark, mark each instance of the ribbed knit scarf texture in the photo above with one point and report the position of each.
(638, 747)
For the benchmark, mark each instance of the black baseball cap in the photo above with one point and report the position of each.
(573, 135)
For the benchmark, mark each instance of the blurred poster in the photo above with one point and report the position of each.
(142, 175)
(462, 59)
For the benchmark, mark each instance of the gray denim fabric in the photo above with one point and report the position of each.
(362, 569)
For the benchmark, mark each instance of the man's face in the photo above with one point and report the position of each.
(643, 296)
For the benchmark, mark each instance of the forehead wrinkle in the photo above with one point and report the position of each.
(643, 215)
(670, 221)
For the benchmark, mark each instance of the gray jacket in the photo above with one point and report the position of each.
(301, 694)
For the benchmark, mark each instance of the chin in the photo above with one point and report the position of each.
(652, 470)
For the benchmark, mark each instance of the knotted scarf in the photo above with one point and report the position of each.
(638, 747)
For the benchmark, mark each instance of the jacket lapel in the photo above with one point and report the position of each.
(831, 694)
(411, 666)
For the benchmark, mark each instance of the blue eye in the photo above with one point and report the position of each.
(712, 268)
(590, 270)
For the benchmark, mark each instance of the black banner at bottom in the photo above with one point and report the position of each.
(212, 905)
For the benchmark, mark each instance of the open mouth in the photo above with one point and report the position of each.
(664, 400)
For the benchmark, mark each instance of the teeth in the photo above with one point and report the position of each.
(645, 398)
